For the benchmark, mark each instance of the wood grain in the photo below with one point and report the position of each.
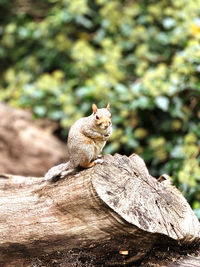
(110, 207)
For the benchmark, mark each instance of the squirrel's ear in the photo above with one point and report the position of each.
(94, 108)
(108, 106)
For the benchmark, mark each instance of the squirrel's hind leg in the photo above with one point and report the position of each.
(90, 164)
(87, 164)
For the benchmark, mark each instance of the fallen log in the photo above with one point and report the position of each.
(114, 211)
(28, 146)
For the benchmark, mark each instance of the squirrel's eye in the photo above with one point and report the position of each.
(97, 117)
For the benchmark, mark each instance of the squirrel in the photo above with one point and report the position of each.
(86, 139)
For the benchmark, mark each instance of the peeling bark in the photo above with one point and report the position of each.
(112, 207)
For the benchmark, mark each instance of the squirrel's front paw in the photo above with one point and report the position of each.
(106, 137)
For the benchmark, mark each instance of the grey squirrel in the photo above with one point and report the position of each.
(86, 139)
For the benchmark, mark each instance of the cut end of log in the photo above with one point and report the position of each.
(125, 185)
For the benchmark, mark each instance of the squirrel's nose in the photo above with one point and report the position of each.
(107, 124)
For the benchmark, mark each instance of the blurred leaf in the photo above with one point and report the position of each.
(40, 111)
(162, 102)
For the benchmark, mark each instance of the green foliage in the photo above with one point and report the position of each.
(141, 56)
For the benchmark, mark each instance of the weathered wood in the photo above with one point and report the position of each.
(112, 207)
(27, 147)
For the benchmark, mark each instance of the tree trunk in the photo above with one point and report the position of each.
(111, 214)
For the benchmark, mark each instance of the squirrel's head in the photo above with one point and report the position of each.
(102, 116)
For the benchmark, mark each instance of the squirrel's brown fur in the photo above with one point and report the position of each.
(86, 139)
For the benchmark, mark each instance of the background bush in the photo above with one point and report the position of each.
(59, 56)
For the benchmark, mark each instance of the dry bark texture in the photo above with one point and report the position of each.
(27, 147)
(88, 218)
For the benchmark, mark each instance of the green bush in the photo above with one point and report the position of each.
(141, 56)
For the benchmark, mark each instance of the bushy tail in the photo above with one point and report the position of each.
(59, 171)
